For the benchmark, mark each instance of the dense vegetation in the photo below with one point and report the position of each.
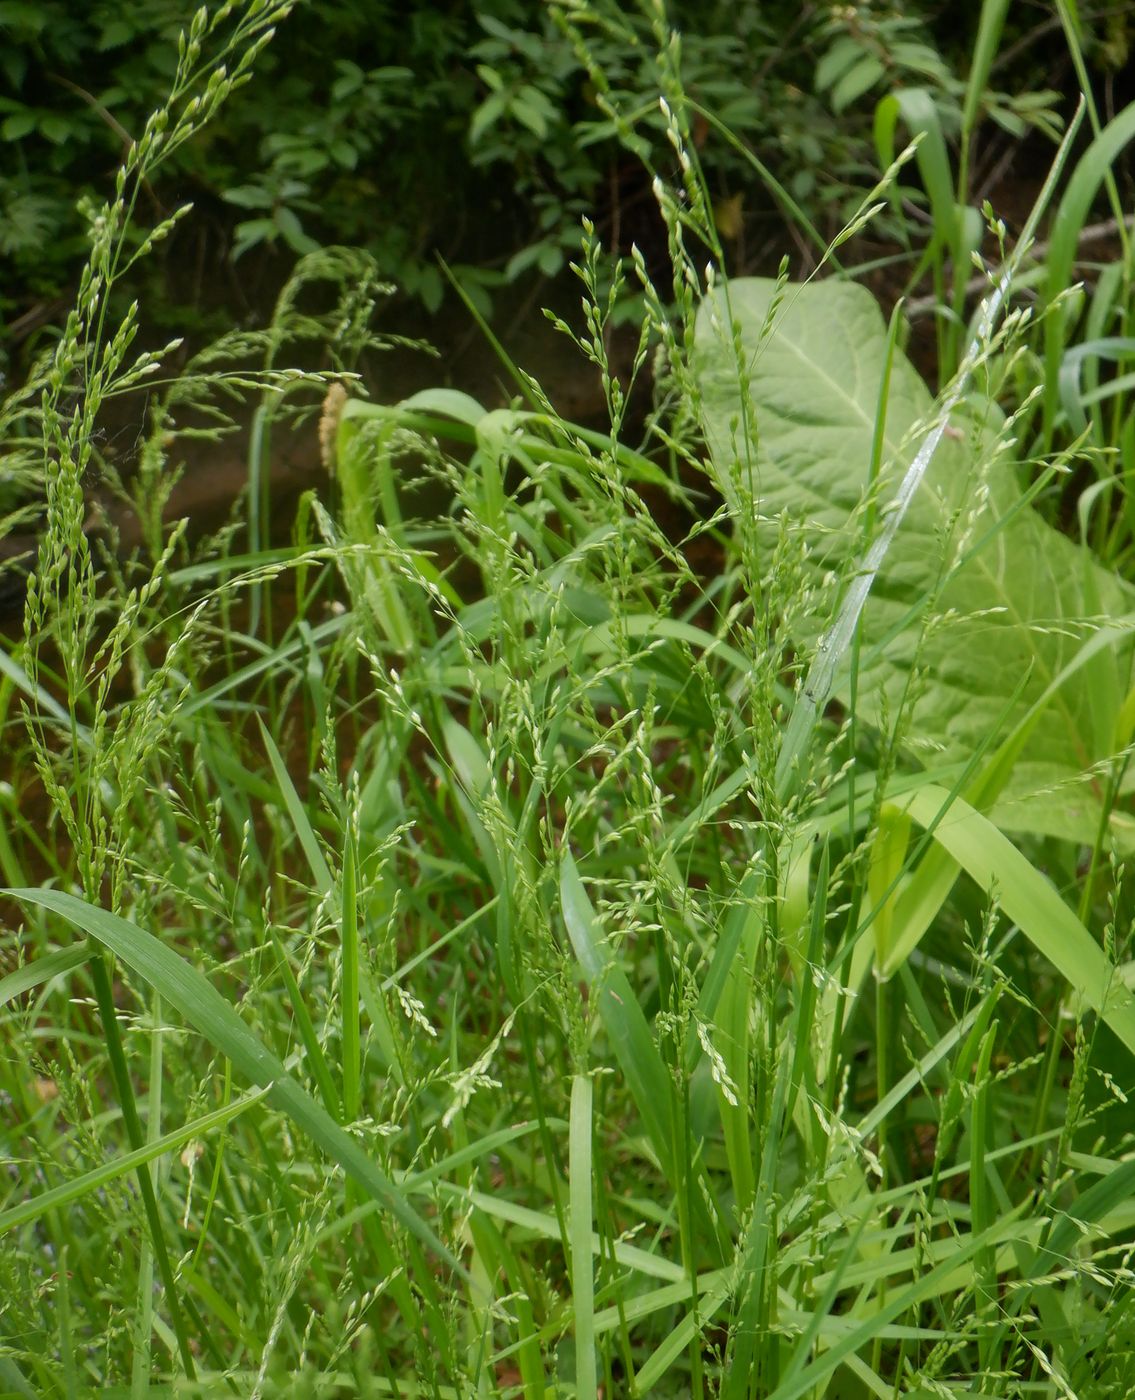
(472, 129)
(622, 910)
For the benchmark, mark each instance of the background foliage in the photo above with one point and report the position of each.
(468, 128)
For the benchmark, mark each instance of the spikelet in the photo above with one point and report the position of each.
(329, 424)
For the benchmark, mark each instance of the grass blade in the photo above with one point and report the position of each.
(41, 970)
(349, 986)
(81, 1186)
(1093, 167)
(1031, 901)
(203, 1006)
(297, 812)
(621, 1014)
(582, 1271)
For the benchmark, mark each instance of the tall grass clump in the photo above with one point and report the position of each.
(597, 914)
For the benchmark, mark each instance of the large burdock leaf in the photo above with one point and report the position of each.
(978, 594)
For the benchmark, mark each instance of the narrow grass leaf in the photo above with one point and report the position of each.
(989, 28)
(46, 703)
(745, 928)
(888, 855)
(544, 1225)
(298, 813)
(349, 983)
(1072, 397)
(1088, 1209)
(273, 659)
(582, 1265)
(664, 1356)
(40, 970)
(81, 1186)
(317, 1061)
(12, 1379)
(1092, 169)
(928, 1285)
(203, 1007)
(621, 1014)
(1031, 901)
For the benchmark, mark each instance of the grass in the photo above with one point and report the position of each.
(474, 951)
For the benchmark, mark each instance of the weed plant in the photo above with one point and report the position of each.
(481, 949)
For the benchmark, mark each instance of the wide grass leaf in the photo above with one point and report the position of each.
(1005, 596)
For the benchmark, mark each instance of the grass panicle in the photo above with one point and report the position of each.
(634, 908)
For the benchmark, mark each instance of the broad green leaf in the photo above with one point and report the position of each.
(1014, 602)
(452, 402)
